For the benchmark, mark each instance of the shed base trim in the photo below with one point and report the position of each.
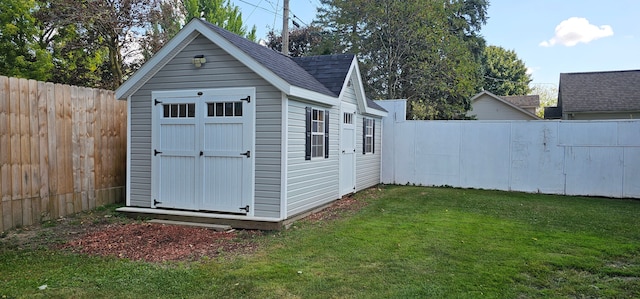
(235, 221)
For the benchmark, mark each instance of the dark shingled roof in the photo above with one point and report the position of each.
(324, 74)
(281, 65)
(330, 70)
(600, 91)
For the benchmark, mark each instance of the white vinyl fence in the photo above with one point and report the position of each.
(600, 158)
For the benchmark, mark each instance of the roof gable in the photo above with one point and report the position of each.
(274, 67)
(489, 95)
(600, 91)
(316, 78)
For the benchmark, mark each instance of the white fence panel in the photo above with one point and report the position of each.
(599, 158)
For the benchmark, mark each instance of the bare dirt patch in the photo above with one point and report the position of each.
(104, 232)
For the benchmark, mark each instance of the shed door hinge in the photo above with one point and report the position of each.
(246, 208)
(156, 202)
(156, 152)
(156, 102)
(248, 99)
(247, 153)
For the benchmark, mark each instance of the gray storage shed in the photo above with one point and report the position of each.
(224, 130)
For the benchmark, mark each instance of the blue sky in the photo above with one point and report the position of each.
(550, 36)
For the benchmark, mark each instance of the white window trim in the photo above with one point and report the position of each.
(320, 133)
(368, 138)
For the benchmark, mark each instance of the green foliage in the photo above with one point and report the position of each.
(220, 13)
(504, 73)
(428, 52)
(548, 96)
(305, 41)
(20, 54)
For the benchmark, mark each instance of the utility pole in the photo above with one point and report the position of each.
(285, 28)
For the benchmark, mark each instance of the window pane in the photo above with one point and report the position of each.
(238, 110)
(166, 110)
(182, 110)
(192, 110)
(219, 109)
(228, 109)
(210, 109)
(174, 110)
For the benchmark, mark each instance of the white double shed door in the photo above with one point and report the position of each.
(203, 150)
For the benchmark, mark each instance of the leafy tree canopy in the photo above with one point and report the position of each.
(504, 73)
(304, 41)
(428, 52)
(20, 53)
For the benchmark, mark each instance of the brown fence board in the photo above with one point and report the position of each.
(62, 150)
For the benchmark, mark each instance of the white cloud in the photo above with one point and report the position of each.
(575, 30)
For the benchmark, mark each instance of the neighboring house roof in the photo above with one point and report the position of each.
(307, 78)
(612, 91)
(529, 101)
(504, 102)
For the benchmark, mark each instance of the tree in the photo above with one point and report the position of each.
(220, 13)
(167, 17)
(77, 60)
(20, 53)
(548, 96)
(165, 20)
(303, 41)
(504, 73)
(100, 35)
(424, 51)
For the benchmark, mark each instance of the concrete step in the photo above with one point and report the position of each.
(216, 227)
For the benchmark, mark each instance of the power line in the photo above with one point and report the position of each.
(256, 6)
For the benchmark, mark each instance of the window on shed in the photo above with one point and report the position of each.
(368, 133)
(224, 109)
(347, 118)
(179, 110)
(317, 131)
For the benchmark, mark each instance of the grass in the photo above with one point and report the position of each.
(408, 242)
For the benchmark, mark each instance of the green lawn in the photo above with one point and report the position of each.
(408, 242)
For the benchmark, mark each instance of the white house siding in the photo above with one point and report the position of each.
(310, 182)
(220, 71)
(487, 108)
(368, 165)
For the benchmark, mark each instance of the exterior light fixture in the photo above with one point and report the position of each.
(198, 60)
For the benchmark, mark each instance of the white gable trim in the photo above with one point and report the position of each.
(505, 102)
(358, 86)
(187, 35)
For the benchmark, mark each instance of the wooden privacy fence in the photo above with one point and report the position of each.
(62, 150)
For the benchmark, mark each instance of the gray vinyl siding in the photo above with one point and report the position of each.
(221, 70)
(310, 183)
(349, 95)
(368, 165)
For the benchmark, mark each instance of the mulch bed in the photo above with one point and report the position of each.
(159, 242)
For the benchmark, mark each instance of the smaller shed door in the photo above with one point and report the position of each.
(347, 149)
(227, 153)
